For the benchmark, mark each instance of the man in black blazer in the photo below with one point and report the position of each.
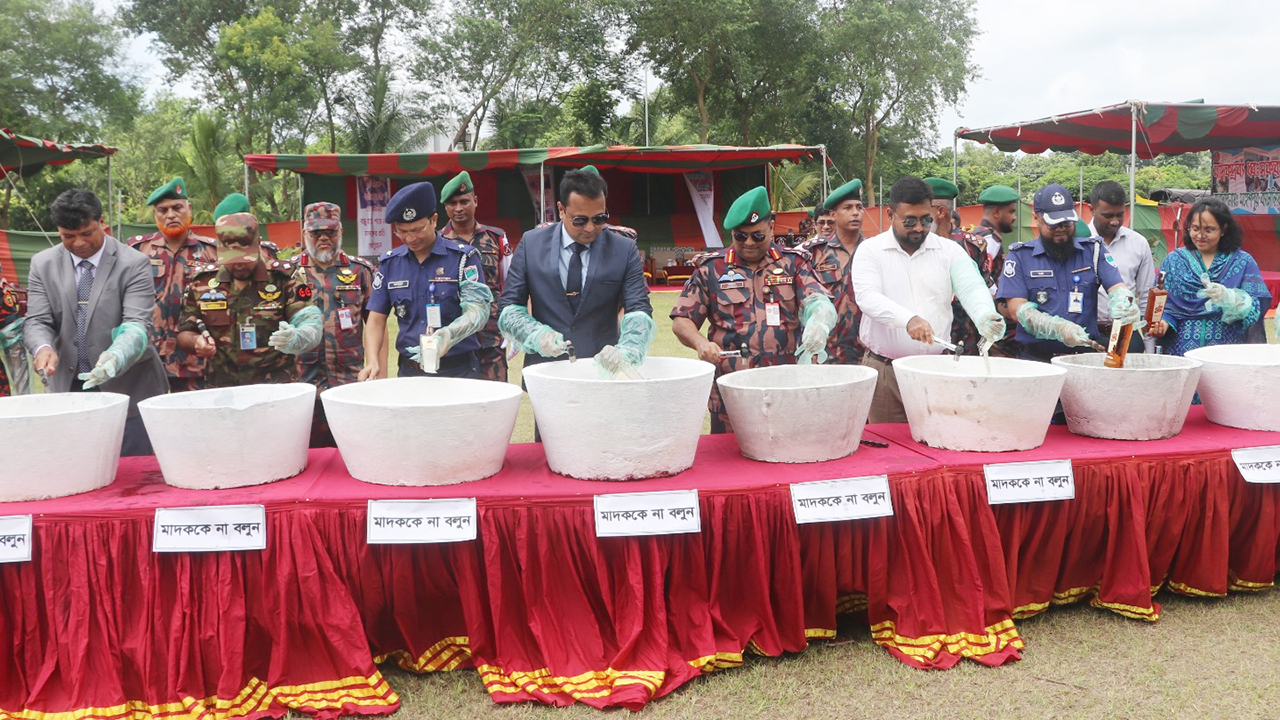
(110, 284)
(568, 282)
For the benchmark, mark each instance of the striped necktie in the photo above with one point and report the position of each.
(84, 287)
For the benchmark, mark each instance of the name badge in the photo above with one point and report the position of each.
(1041, 273)
(397, 284)
(1075, 302)
(210, 529)
(434, 321)
(219, 305)
(248, 337)
(392, 522)
(652, 513)
(1029, 482)
(736, 285)
(847, 499)
(15, 538)
(772, 314)
(1258, 465)
(345, 319)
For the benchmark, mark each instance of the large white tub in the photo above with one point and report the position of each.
(1240, 385)
(422, 430)
(798, 413)
(58, 444)
(1147, 399)
(955, 404)
(596, 429)
(231, 437)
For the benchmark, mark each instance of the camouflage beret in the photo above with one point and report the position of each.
(321, 216)
(750, 208)
(175, 189)
(851, 190)
(461, 183)
(942, 189)
(233, 203)
(236, 226)
(998, 195)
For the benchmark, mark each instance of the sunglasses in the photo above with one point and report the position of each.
(757, 236)
(581, 220)
(911, 221)
(826, 222)
(330, 233)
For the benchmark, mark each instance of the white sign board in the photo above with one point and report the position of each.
(652, 513)
(847, 499)
(1029, 482)
(1259, 464)
(210, 529)
(421, 521)
(15, 538)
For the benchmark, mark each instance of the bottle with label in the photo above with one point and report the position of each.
(1118, 346)
(1156, 298)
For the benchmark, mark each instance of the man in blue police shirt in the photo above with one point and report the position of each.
(1051, 283)
(433, 284)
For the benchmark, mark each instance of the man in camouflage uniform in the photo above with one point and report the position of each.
(13, 308)
(999, 216)
(341, 284)
(760, 299)
(247, 315)
(239, 203)
(945, 192)
(459, 198)
(831, 256)
(174, 252)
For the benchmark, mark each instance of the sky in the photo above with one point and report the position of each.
(1040, 59)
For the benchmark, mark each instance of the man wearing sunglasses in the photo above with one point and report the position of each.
(832, 256)
(578, 275)
(759, 299)
(1051, 283)
(904, 280)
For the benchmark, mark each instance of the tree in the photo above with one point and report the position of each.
(383, 124)
(900, 62)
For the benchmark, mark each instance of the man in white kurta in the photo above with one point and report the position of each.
(904, 280)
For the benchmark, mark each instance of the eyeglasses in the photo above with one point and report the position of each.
(415, 233)
(330, 233)
(581, 220)
(757, 236)
(822, 223)
(911, 221)
(1204, 229)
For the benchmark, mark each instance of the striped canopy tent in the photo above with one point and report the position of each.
(646, 189)
(27, 155)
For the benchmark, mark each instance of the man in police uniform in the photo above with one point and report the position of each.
(246, 315)
(433, 284)
(459, 198)
(174, 252)
(832, 256)
(341, 285)
(760, 300)
(1051, 283)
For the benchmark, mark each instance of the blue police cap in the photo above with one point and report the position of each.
(411, 203)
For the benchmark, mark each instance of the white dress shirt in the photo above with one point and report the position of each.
(1132, 254)
(891, 287)
(94, 259)
(566, 255)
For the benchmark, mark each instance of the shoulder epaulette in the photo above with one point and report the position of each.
(1019, 246)
(708, 255)
(284, 266)
(361, 261)
(204, 268)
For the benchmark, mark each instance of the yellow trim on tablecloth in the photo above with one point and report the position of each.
(257, 696)
(1235, 583)
(1029, 610)
(1182, 589)
(719, 661)
(998, 637)
(1149, 614)
(448, 654)
(822, 633)
(590, 684)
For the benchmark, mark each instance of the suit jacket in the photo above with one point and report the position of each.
(123, 291)
(615, 280)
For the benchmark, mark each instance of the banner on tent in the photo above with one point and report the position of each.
(543, 194)
(1248, 179)
(374, 234)
(702, 190)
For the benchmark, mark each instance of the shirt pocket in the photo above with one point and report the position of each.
(217, 318)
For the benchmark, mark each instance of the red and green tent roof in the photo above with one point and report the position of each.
(28, 155)
(664, 159)
(1162, 128)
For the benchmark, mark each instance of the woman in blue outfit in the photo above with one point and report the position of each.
(1215, 289)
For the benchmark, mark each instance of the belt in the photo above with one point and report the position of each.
(877, 356)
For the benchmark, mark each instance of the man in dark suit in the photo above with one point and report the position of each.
(578, 275)
(89, 313)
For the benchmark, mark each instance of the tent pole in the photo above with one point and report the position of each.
(542, 193)
(880, 204)
(1133, 162)
(955, 144)
(1081, 198)
(825, 185)
(111, 195)
(1019, 209)
(246, 182)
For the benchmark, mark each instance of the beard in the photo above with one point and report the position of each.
(173, 232)
(1059, 251)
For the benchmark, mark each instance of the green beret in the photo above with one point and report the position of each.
(175, 189)
(998, 195)
(461, 183)
(850, 190)
(942, 189)
(590, 169)
(230, 205)
(750, 208)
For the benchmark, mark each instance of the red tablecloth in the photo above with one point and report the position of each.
(100, 626)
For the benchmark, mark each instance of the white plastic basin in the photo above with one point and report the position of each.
(1147, 399)
(1240, 385)
(231, 437)
(955, 404)
(58, 444)
(422, 430)
(595, 429)
(798, 413)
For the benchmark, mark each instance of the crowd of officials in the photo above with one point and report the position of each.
(175, 311)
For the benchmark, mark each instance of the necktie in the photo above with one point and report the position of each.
(573, 284)
(83, 288)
